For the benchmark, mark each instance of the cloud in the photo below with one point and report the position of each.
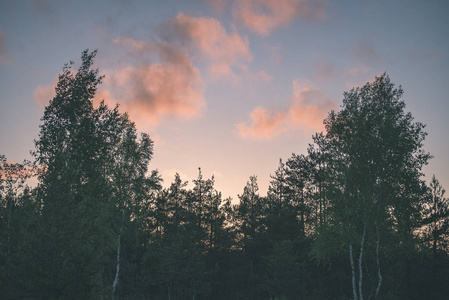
(307, 110)
(207, 38)
(265, 124)
(262, 75)
(169, 87)
(309, 106)
(159, 78)
(43, 94)
(264, 16)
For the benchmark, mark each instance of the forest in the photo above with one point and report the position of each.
(353, 218)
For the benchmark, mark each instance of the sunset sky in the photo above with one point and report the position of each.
(228, 86)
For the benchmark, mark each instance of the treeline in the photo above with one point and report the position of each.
(350, 219)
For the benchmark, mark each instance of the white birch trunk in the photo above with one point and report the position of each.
(117, 268)
(362, 243)
(379, 275)
(351, 255)
(351, 259)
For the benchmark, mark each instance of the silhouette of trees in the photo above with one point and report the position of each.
(351, 218)
(376, 151)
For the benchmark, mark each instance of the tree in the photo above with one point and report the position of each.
(13, 178)
(281, 211)
(300, 190)
(435, 233)
(251, 232)
(19, 219)
(93, 182)
(377, 158)
(127, 157)
(436, 217)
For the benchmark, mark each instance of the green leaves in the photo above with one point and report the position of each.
(93, 183)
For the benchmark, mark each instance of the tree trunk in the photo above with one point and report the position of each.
(351, 259)
(117, 268)
(379, 275)
(351, 256)
(362, 244)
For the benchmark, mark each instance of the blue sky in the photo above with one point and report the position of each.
(228, 86)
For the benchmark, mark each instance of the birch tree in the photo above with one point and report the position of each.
(377, 155)
(93, 177)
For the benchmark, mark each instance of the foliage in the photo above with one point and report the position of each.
(351, 218)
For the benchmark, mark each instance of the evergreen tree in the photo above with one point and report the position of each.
(251, 230)
(436, 218)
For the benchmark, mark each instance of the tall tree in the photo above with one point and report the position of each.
(435, 234)
(251, 227)
(300, 188)
(71, 187)
(93, 179)
(378, 156)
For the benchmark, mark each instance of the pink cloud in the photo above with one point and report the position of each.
(207, 38)
(264, 16)
(157, 79)
(43, 94)
(162, 80)
(262, 75)
(265, 124)
(309, 106)
(307, 110)
(165, 89)
(170, 87)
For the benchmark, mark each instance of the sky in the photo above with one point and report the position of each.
(230, 86)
